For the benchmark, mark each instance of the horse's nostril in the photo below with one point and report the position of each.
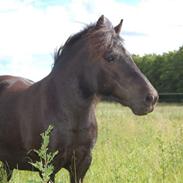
(150, 99)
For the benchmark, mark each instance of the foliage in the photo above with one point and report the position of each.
(45, 164)
(3, 175)
(164, 71)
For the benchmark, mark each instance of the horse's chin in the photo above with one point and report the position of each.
(143, 110)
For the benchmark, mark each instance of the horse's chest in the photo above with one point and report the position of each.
(82, 136)
(75, 138)
(74, 134)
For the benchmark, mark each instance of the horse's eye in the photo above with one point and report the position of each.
(110, 58)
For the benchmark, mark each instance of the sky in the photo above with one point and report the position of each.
(31, 30)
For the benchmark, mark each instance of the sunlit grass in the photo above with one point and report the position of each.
(132, 149)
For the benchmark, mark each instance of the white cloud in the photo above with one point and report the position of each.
(27, 30)
(159, 20)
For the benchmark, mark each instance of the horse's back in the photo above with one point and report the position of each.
(13, 83)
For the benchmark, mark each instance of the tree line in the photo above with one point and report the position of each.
(165, 71)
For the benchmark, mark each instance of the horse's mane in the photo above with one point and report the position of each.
(71, 41)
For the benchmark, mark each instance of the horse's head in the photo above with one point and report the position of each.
(112, 71)
(107, 68)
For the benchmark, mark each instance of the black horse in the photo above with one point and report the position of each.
(92, 63)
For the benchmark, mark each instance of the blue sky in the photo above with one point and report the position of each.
(46, 3)
(32, 29)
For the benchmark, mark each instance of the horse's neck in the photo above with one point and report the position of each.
(65, 99)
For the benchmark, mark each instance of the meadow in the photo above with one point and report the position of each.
(132, 149)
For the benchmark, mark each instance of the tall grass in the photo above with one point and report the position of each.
(132, 149)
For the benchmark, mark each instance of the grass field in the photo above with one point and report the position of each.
(132, 149)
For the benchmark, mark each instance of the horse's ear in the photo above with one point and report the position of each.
(101, 21)
(118, 27)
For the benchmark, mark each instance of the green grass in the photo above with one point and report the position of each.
(132, 149)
